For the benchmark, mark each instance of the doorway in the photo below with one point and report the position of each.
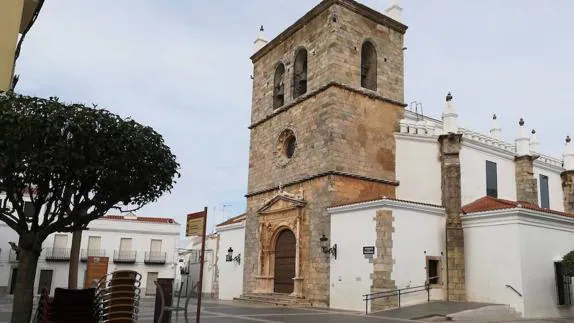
(150, 286)
(13, 279)
(284, 262)
(45, 280)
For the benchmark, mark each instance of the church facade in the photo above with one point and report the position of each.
(338, 205)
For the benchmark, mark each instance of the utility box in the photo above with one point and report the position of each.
(166, 285)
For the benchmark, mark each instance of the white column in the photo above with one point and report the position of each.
(522, 140)
(495, 131)
(260, 40)
(569, 155)
(395, 10)
(534, 143)
(449, 117)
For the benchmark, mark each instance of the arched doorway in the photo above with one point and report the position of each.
(284, 262)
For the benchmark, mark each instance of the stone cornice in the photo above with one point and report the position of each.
(518, 216)
(311, 94)
(391, 203)
(323, 5)
(323, 174)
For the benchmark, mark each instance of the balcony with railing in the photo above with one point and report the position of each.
(57, 254)
(13, 256)
(124, 257)
(155, 258)
(85, 253)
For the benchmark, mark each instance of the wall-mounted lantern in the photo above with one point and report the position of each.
(325, 246)
(230, 257)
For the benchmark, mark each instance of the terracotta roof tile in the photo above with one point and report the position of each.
(233, 220)
(138, 219)
(488, 203)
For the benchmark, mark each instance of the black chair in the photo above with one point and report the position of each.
(75, 305)
(177, 308)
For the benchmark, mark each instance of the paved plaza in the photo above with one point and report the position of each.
(228, 312)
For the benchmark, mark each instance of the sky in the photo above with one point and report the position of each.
(183, 68)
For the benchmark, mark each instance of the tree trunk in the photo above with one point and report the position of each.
(74, 260)
(29, 249)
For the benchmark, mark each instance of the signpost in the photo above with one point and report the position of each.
(196, 226)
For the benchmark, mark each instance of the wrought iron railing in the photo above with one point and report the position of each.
(57, 254)
(85, 253)
(398, 293)
(155, 258)
(125, 257)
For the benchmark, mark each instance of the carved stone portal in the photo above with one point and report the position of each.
(283, 212)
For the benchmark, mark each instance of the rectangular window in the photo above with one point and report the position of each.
(433, 270)
(491, 179)
(544, 193)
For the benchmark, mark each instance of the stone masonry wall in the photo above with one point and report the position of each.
(383, 262)
(526, 184)
(349, 33)
(568, 189)
(455, 286)
(320, 193)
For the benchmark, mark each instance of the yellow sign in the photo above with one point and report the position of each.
(195, 223)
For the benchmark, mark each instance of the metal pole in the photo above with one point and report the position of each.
(201, 257)
(399, 298)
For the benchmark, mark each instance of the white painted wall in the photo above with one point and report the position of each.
(6, 235)
(554, 187)
(110, 232)
(418, 169)
(473, 173)
(231, 273)
(516, 247)
(541, 244)
(351, 272)
(492, 260)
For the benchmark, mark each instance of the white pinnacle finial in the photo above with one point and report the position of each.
(449, 117)
(534, 143)
(522, 140)
(260, 40)
(569, 154)
(395, 10)
(495, 130)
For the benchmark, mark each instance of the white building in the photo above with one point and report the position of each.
(222, 275)
(145, 244)
(511, 250)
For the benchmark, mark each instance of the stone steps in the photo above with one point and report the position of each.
(273, 299)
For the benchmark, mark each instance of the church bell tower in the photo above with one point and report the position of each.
(328, 94)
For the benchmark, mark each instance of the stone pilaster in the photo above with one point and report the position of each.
(383, 262)
(526, 184)
(568, 189)
(455, 287)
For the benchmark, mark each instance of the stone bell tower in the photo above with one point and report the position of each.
(327, 97)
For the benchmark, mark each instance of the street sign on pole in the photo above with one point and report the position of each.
(197, 225)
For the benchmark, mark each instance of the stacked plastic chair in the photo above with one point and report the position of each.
(118, 296)
(68, 306)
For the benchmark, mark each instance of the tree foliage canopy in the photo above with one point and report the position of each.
(568, 264)
(76, 163)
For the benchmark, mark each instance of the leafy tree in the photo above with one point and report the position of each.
(568, 264)
(74, 163)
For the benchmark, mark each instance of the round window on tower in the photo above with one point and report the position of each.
(290, 146)
(286, 146)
